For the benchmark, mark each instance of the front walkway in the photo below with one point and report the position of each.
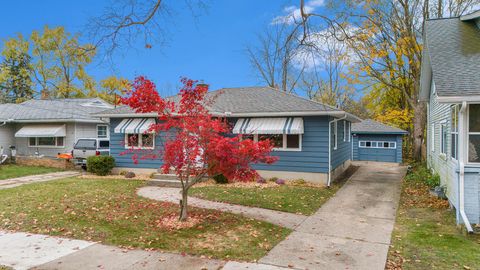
(15, 182)
(283, 219)
(350, 231)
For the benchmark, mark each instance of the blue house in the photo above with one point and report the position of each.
(312, 140)
(450, 84)
(374, 141)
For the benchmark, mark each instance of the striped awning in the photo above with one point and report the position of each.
(283, 125)
(134, 125)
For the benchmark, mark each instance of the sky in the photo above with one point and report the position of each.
(209, 48)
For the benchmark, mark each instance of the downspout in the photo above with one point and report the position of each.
(461, 164)
(330, 147)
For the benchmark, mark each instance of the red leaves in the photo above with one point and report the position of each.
(197, 145)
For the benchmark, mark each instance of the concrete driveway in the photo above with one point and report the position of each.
(352, 230)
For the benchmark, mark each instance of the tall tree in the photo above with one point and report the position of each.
(112, 89)
(59, 62)
(15, 70)
(387, 40)
(274, 59)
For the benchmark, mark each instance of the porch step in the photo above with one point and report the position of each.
(165, 183)
(162, 176)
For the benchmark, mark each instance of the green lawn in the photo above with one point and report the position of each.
(109, 211)
(425, 234)
(13, 171)
(293, 199)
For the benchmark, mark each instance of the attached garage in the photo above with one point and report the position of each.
(374, 141)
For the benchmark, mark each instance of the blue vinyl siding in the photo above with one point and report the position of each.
(377, 154)
(344, 148)
(312, 158)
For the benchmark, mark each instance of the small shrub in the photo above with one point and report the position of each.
(123, 172)
(261, 180)
(299, 182)
(130, 175)
(100, 165)
(280, 182)
(421, 174)
(273, 179)
(220, 179)
(433, 180)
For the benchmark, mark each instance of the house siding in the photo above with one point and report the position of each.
(344, 148)
(6, 137)
(378, 154)
(313, 158)
(444, 165)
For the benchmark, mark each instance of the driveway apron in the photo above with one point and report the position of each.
(352, 230)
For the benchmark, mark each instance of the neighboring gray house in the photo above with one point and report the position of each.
(450, 83)
(374, 141)
(312, 140)
(48, 127)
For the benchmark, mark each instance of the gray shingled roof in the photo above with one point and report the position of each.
(454, 51)
(251, 100)
(372, 126)
(56, 109)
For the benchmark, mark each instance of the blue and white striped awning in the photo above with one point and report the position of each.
(134, 125)
(279, 125)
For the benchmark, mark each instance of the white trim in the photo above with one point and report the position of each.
(349, 131)
(467, 139)
(458, 99)
(140, 142)
(443, 145)
(344, 130)
(432, 146)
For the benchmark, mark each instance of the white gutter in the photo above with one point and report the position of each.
(458, 99)
(59, 120)
(5, 122)
(350, 117)
(330, 147)
(461, 164)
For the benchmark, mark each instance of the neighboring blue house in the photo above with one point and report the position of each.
(374, 141)
(299, 127)
(450, 83)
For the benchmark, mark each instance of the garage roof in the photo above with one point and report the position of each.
(370, 126)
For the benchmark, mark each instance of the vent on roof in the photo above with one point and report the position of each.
(97, 103)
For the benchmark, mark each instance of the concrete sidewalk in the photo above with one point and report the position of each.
(32, 251)
(15, 182)
(288, 220)
(350, 231)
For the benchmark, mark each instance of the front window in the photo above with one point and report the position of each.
(474, 133)
(140, 141)
(46, 142)
(283, 142)
(377, 144)
(443, 138)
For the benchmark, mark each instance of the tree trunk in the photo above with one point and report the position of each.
(419, 130)
(183, 205)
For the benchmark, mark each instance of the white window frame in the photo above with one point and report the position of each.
(335, 135)
(107, 135)
(140, 142)
(433, 138)
(46, 146)
(443, 142)
(454, 111)
(344, 130)
(349, 131)
(377, 143)
(284, 142)
(476, 164)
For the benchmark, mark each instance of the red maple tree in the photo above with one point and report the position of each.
(196, 143)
